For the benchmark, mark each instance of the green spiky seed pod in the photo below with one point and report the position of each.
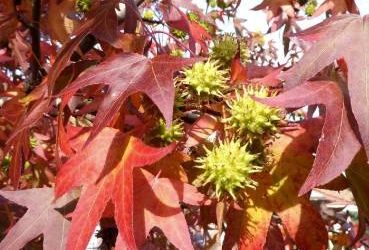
(177, 53)
(212, 3)
(83, 5)
(250, 118)
(179, 33)
(206, 78)
(33, 142)
(258, 38)
(310, 7)
(225, 49)
(6, 162)
(179, 100)
(168, 135)
(148, 14)
(228, 168)
(193, 17)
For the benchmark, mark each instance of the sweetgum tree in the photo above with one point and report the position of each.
(145, 118)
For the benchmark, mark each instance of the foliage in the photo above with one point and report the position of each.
(145, 118)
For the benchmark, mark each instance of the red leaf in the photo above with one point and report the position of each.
(104, 169)
(127, 74)
(157, 204)
(303, 219)
(336, 7)
(238, 70)
(274, 8)
(19, 150)
(335, 38)
(40, 218)
(338, 144)
(103, 18)
(175, 18)
(293, 158)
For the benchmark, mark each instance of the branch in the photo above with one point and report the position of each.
(35, 66)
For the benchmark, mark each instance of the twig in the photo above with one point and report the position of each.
(152, 21)
(175, 39)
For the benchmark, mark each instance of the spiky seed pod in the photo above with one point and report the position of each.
(258, 38)
(168, 135)
(225, 49)
(83, 5)
(250, 118)
(179, 33)
(228, 168)
(177, 53)
(212, 3)
(205, 78)
(310, 7)
(194, 17)
(6, 162)
(33, 142)
(179, 99)
(148, 14)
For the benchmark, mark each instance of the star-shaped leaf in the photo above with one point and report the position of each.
(338, 144)
(335, 38)
(277, 192)
(104, 170)
(157, 204)
(40, 218)
(129, 73)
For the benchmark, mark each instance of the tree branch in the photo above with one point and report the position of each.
(35, 66)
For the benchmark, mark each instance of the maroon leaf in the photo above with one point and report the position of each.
(19, 150)
(274, 9)
(337, 7)
(177, 19)
(335, 38)
(103, 18)
(338, 144)
(129, 73)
